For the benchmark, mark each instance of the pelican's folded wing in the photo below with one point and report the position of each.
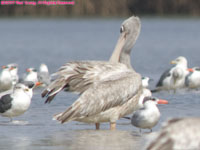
(104, 95)
(79, 76)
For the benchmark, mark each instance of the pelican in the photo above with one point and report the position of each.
(174, 78)
(178, 133)
(108, 90)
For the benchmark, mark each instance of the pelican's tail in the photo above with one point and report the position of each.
(129, 118)
(73, 77)
(155, 90)
(55, 117)
(70, 114)
(54, 87)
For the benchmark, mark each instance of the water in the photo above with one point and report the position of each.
(30, 42)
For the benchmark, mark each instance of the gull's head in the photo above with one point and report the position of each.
(43, 68)
(153, 101)
(13, 68)
(31, 70)
(26, 87)
(145, 81)
(181, 61)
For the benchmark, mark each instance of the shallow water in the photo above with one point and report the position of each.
(30, 42)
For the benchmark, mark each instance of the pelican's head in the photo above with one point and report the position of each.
(129, 33)
(182, 61)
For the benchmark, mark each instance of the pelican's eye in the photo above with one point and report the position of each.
(122, 29)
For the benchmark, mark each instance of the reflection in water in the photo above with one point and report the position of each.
(15, 143)
(92, 139)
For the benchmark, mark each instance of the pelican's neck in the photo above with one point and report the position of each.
(125, 59)
(121, 52)
(121, 55)
(115, 57)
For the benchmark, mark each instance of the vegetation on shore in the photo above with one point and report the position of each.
(106, 8)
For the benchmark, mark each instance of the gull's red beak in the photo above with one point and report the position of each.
(3, 67)
(162, 101)
(38, 83)
(190, 70)
(11, 68)
(28, 70)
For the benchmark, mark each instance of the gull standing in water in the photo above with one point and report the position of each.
(148, 116)
(145, 92)
(192, 80)
(178, 134)
(145, 82)
(174, 78)
(14, 73)
(5, 79)
(43, 75)
(18, 101)
(31, 75)
(108, 90)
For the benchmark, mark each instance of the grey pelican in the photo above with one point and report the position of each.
(5, 79)
(193, 78)
(17, 101)
(174, 78)
(178, 133)
(43, 75)
(148, 116)
(108, 90)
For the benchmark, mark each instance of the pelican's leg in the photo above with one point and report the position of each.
(112, 126)
(140, 131)
(11, 119)
(150, 130)
(97, 126)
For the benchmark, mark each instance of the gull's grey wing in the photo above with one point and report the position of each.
(5, 93)
(163, 76)
(5, 103)
(187, 79)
